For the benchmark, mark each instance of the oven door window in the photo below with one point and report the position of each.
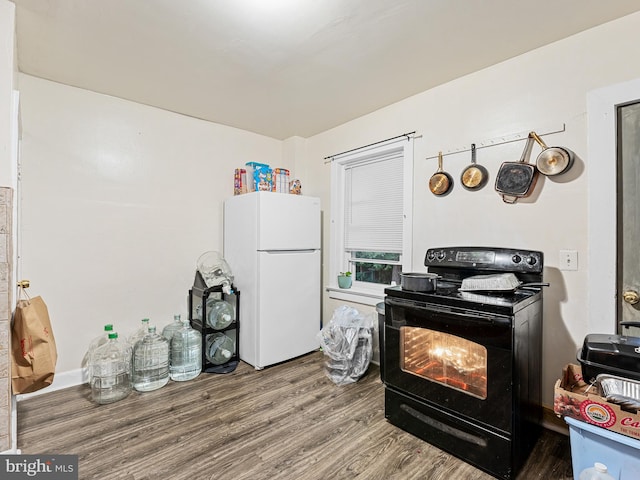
(445, 359)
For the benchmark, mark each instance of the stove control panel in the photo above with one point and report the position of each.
(486, 258)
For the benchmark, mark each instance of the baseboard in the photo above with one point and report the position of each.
(551, 421)
(62, 380)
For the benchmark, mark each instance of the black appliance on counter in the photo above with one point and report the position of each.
(617, 355)
(462, 370)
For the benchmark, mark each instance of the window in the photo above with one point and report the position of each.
(371, 216)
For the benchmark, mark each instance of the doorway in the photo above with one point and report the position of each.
(614, 215)
(628, 199)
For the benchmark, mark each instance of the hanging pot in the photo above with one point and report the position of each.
(553, 160)
(474, 176)
(517, 179)
(440, 182)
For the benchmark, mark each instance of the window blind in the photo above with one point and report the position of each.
(373, 203)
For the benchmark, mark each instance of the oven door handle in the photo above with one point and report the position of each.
(471, 317)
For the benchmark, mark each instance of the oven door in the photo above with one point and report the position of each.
(456, 360)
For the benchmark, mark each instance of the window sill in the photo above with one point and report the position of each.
(356, 295)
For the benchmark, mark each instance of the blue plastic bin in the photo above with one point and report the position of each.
(590, 444)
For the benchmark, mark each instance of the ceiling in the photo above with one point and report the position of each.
(284, 68)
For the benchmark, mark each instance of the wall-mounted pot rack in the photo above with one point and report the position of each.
(514, 137)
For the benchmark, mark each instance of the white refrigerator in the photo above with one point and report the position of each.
(272, 244)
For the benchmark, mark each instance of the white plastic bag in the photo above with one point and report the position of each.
(347, 343)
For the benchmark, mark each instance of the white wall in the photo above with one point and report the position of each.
(543, 88)
(118, 202)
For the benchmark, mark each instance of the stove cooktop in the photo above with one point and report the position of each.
(448, 294)
(453, 264)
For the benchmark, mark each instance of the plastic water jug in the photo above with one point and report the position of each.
(215, 270)
(185, 361)
(142, 330)
(150, 362)
(100, 340)
(110, 380)
(219, 348)
(597, 472)
(220, 313)
(171, 328)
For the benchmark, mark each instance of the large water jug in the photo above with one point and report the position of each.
(102, 338)
(110, 379)
(150, 362)
(185, 361)
(219, 348)
(215, 270)
(220, 313)
(173, 327)
(140, 332)
(98, 341)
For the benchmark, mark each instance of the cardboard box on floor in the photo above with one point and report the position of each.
(575, 398)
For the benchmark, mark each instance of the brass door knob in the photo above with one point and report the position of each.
(631, 297)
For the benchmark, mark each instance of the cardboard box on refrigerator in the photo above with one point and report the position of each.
(576, 399)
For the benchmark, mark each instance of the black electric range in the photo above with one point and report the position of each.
(462, 369)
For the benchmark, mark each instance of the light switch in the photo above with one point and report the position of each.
(568, 260)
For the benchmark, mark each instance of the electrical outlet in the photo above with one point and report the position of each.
(568, 260)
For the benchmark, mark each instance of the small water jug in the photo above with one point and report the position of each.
(599, 471)
(110, 380)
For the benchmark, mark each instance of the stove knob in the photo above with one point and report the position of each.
(441, 255)
(531, 260)
(430, 255)
(516, 258)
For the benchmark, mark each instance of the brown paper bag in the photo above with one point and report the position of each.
(33, 346)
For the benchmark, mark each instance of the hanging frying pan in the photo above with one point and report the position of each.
(440, 182)
(517, 179)
(553, 160)
(474, 176)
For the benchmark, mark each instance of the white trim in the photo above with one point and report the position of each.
(376, 293)
(601, 118)
(15, 236)
(14, 450)
(355, 295)
(407, 227)
(71, 378)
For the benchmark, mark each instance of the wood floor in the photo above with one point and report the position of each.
(288, 421)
